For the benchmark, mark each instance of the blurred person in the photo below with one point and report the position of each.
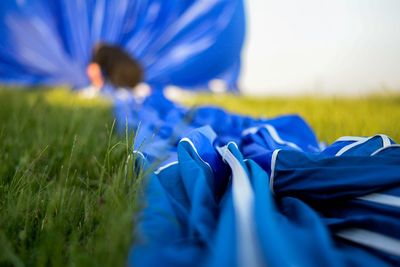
(110, 64)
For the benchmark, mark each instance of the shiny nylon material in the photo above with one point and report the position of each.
(186, 222)
(231, 190)
(182, 43)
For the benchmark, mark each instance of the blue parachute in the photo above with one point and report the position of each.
(231, 190)
(179, 42)
(227, 190)
(270, 198)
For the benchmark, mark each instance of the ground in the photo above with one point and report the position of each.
(68, 193)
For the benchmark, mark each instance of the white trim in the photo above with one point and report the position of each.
(187, 140)
(234, 144)
(273, 133)
(243, 201)
(383, 148)
(223, 149)
(165, 167)
(385, 142)
(138, 152)
(251, 130)
(273, 163)
(350, 138)
(322, 146)
(371, 239)
(383, 199)
(350, 146)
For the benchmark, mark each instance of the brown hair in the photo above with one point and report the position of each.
(118, 67)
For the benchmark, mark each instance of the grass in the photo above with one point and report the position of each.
(68, 192)
(330, 117)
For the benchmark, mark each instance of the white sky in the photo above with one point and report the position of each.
(321, 46)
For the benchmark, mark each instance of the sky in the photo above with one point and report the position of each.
(321, 47)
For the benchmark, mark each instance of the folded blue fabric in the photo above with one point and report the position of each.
(240, 191)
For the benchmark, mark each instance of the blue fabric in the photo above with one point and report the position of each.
(357, 190)
(160, 124)
(185, 43)
(318, 177)
(181, 213)
(231, 190)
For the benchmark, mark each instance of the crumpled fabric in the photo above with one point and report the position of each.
(232, 190)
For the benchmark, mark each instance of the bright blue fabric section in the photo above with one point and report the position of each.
(184, 43)
(182, 202)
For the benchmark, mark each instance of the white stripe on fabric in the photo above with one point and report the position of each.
(385, 140)
(273, 163)
(139, 153)
(383, 199)
(187, 140)
(350, 146)
(385, 143)
(251, 130)
(165, 167)
(371, 239)
(322, 146)
(383, 148)
(243, 200)
(350, 138)
(273, 133)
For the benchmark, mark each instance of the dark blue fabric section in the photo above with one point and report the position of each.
(318, 179)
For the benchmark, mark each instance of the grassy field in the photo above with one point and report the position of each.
(330, 117)
(67, 190)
